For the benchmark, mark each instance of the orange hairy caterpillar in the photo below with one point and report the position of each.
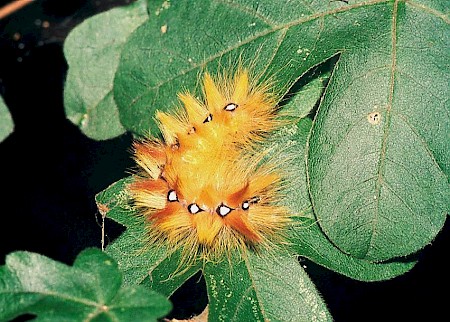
(202, 188)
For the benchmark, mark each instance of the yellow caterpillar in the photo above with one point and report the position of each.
(203, 189)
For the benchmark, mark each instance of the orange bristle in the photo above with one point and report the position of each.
(239, 222)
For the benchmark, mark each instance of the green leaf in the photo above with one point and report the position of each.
(92, 51)
(6, 122)
(262, 288)
(306, 237)
(378, 159)
(90, 290)
(287, 145)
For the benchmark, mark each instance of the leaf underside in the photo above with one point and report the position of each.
(92, 51)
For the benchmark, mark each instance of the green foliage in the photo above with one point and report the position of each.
(369, 175)
(90, 290)
(262, 288)
(6, 122)
(393, 199)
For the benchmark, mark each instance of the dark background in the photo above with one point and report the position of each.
(50, 173)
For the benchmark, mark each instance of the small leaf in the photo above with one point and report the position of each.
(6, 122)
(92, 51)
(89, 290)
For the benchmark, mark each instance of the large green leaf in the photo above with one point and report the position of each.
(90, 290)
(6, 122)
(306, 237)
(92, 51)
(279, 39)
(155, 66)
(378, 161)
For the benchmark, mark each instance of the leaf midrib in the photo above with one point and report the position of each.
(382, 159)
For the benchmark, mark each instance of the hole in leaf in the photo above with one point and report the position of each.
(374, 118)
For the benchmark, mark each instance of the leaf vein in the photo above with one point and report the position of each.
(431, 11)
(381, 164)
(423, 143)
(251, 11)
(263, 33)
(403, 201)
(261, 306)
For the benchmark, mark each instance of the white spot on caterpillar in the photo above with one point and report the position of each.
(194, 208)
(223, 210)
(208, 119)
(230, 107)
(172, 196)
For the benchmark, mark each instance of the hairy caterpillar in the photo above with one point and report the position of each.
(202, 188)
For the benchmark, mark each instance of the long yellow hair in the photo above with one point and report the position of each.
(203, 188)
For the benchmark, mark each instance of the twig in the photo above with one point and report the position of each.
(13, 7)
